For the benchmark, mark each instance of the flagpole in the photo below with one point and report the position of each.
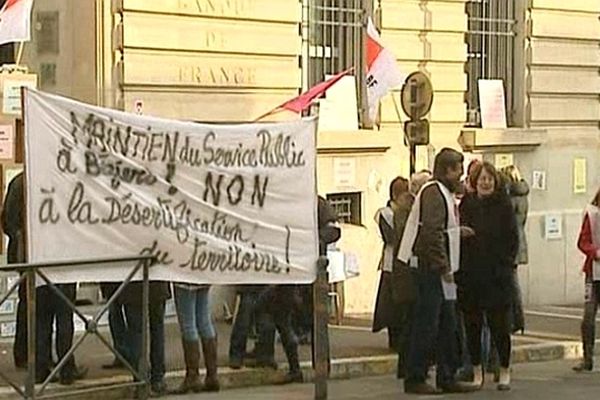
(20, 53)
(276, 110)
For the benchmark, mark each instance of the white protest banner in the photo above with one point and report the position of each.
(214, 203)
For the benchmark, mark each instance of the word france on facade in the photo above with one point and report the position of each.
(213, 203)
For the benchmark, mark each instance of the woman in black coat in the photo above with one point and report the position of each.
(487, 259)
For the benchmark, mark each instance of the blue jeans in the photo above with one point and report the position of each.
(241, 325)
(133, 314)
(434, 332)
(193, 313)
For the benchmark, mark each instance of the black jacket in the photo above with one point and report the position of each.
(12, 220)
(487, 258)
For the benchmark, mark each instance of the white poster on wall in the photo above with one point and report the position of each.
(213, 203)
(492, 103)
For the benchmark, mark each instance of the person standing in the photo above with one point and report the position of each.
(487, 260)
(242, 324)
(432, 234)
(391, 311)
(589, 244)
(159, 292)
(12, 225)
(518, 190)
(116, 324)
(195, 321)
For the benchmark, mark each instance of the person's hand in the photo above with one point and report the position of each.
(448, 277)
(466, 232)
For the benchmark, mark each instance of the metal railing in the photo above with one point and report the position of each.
(29, 272)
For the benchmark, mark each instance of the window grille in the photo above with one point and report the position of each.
(347, 206)
(491, 45)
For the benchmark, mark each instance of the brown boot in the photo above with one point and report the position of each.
(191, 355)
(209, 348)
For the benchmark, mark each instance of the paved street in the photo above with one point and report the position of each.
(548, 381)
(353, 339)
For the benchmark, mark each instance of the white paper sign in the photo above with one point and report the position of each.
(214, 203)
(11, 98)
(7, 142)
(539, 180)
(344, 171)
(553, 226)
(492, 103)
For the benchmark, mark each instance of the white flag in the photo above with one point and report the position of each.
(383, 73)
(15, 21)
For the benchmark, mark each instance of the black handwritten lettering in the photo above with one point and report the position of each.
(239, 180)
(97, 165)
(259, 193)
(80, 209)
(214, 190)
(161, 257)
(63, 161)
(279, 151)
(46, 213)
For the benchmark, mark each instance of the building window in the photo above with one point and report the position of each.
(491, 51)
(347, 206)
(47, 32)
(334, 39)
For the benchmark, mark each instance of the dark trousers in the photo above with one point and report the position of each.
(50, 307)
(267, 323)
(133, 315)
(498, 320)
(434, 331)
(242, 325)
(118, 328)
(588, 324)
(20, 344)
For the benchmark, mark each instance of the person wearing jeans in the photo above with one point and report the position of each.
(195, 321)
(132, 298)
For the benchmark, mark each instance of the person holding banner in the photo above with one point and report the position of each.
(12, 225)
(195, 321)
(131, 297)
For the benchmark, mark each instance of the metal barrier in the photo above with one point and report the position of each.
(30, 272)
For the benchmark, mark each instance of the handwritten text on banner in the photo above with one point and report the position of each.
(214, 203)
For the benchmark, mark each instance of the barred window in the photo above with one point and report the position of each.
(347, 207)
(335, 40)
(491, 46)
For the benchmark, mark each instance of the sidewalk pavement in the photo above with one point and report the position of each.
(548, 381)
(356, 350)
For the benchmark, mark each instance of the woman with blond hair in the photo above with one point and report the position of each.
(589, 244)
(518, 190)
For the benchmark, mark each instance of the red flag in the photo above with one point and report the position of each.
(15, 21)
(382, 70)
(300, 103)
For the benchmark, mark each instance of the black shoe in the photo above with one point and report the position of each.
(70, 377)
(266, 364)
(420, 388)
(293, 377)
(158, 389)
(116, 364)
(41, 378)
(584, 366)
(460, 387)
(235, 363)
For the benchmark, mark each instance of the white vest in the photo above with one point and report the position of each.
(452, 230)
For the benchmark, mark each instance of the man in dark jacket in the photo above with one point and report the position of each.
(12, 225)
(434, 328)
